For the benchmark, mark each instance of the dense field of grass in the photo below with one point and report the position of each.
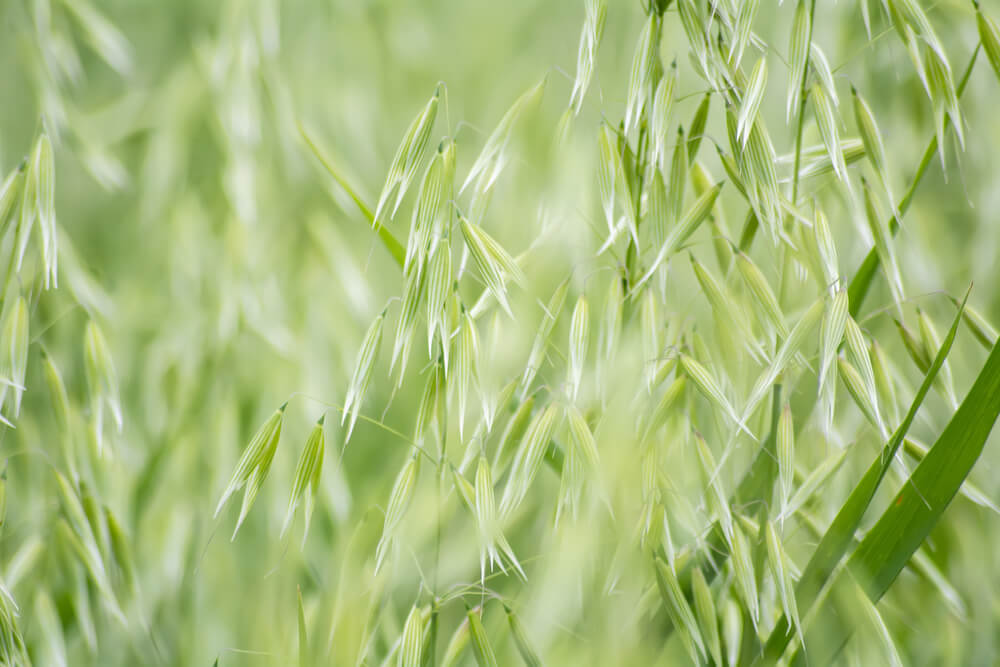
(451, 333)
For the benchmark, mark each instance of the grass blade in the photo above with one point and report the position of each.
(390, 242)
(909, 519)
(838, 536)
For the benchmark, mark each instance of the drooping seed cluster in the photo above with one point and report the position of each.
(85, 529)
(612, 405)
(781, 322)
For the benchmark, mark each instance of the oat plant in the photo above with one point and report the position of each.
(760, 374)
(642, 333)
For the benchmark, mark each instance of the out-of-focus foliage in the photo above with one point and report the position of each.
(211, 269)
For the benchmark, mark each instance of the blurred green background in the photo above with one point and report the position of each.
(230, 274)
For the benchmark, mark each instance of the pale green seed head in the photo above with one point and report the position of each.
(914, 347)
(57, 392)
(834, 322)
(827, 248)
(46, 616)
(14, 339)
(741, 31)
(715, 494)
(743, 571)
(406, 161)
(666, 405)
(649, 315)
(679, 611)
(686, 226)
(752, 98)
(305, 483)
(642, 70)
(121, 550)
(696, 129)
(826, 120)
(9, 190)
(515, 428)
(708, 620)
(456, 644)
(256, 461)
(399, 501)
(590, 39)
(989, 36)
(732, 630)
(494, 264)
(657, 217)
(493, 158)
(857, 348)
(528, 458)
(431, 205)
(412, 640)
(439, 283)
(582, 437)
(678, 179)
(824, 75)
(815, 480)
(884, 384)
(785, 442)
(709, 387)
(931, 342)
(41, 171)
(609, 174)
(663, 103)
(524, 646)
(466, 366)
(870, 134)
(980, 327)
(883, 245)
(481, 646)
(579, 337)
(485, 506)
(780, 567)
(550, 316)
(102, 381)
(413, 297)
(764, 299)
(361, 377)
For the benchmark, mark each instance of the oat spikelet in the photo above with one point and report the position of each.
(751, 101)
(399, 501)
(579, 335)
(798, 57)
(305, 484)
(679, 611)
(363, 366)
(641, 72)
(528, 458)
(406, 160)
(590, 39)
(254, 464)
